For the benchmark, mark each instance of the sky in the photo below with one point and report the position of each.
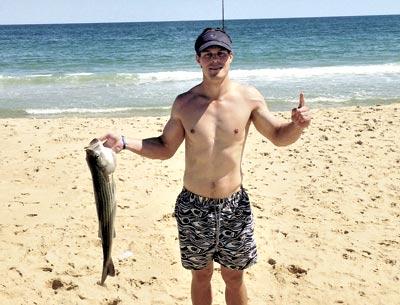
(83, 11)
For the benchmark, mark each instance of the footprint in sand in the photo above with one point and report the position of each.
(57, 284)
(298, 271)
(113, 302)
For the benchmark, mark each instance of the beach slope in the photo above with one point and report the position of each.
(327, 212)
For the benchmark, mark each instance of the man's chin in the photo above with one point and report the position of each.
(217, 73)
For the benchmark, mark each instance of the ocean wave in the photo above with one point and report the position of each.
(278, 73)
(309, 72)
(121, 78)
(274, 103)
(168, 76)
(57, 111)
(68, 78)
(321, 99)
(79, 74)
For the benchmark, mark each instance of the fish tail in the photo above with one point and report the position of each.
(111, 269)
(108, 269)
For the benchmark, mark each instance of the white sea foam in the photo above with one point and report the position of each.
(40, 75)
(278, 73)
(73, 110)
(169, 76)
(323, 99)
(390, 69)
(55, 111)
(78, 74)
(317, 71)
(21, 77)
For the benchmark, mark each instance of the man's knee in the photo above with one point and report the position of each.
(203, 276)
(232, 278)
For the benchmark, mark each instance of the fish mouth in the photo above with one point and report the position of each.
(93, 144)
(94, 141)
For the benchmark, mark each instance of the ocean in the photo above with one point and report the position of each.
(137, 69)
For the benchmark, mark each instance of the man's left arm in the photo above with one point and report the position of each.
(278, 132)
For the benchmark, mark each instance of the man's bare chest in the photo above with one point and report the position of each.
(217, 124)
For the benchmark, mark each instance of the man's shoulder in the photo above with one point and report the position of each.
(248, 93)
(188, 95)
(247, 90)
(184, 99)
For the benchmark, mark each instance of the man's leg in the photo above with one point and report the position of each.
(235, 289)
(201, 285)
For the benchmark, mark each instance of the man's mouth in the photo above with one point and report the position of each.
(215, 68)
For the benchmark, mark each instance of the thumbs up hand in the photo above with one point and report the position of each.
(301, 115)
(301, 100)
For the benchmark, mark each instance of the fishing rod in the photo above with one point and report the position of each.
(223, 15)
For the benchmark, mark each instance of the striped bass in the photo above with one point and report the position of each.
(102, 162)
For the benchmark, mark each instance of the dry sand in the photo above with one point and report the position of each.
(327, 212)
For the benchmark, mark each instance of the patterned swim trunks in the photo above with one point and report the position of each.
(219, 230)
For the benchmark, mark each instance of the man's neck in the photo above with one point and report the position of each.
(215, 89)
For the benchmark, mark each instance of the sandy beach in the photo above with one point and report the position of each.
(327, 212)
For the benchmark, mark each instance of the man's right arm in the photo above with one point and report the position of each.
(161, 147)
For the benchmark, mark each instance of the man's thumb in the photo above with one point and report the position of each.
(301, 100)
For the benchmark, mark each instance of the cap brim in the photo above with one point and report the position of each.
(214, 43)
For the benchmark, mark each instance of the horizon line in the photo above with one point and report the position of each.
(198, 20)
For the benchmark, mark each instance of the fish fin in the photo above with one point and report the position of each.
(99, 234)
(108, 269)
(111, 268)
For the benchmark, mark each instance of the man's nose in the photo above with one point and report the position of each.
(214, 56)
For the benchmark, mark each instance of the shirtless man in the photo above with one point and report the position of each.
(213, 212)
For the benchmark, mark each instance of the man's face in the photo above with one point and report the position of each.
(215, 61)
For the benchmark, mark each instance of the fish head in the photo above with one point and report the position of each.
(102, 157)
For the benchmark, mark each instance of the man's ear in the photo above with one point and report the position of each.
(198, 59)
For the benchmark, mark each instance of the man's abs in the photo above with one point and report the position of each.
(212, 181)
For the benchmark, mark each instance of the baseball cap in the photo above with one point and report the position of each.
(213, 37)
